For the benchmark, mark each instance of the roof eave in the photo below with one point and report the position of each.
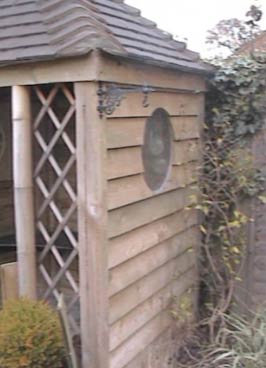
(203, 68)
(38, 59)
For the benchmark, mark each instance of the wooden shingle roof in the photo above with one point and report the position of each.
(32, 30)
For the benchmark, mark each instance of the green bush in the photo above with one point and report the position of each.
(30, 336)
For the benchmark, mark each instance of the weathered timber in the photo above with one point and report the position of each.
(128, 299)
(127, 218)
(140, 266)
(129, 245)
(92, 219)
(128, 132)
(23, 191)
(126, 190)
(129, 324)
(127, 161)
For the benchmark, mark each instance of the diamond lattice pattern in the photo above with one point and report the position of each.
(55, 197)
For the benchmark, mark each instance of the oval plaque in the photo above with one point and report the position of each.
(157, 148)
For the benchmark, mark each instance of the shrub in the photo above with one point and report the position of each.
(30, 336)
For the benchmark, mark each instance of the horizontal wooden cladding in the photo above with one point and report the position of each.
(141, 239)
(128, 132)
(135, 215)
(128, 299)
(176, 104)
(124, 162)
(129, 272)
(186, 151)
(130, 189)
(128, 161)
(129, 324)
(118, 70)
(159, 354)
(127, 351)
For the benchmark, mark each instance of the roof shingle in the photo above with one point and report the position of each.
(32, 30)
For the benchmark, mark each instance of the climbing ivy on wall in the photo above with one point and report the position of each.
(236, 100)
(236, 110)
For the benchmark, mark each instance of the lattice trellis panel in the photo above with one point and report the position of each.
(56, 198)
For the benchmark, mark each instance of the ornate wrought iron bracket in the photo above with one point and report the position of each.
(111, 96)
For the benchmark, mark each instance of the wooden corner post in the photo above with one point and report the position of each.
(92, 219)
(23, 191)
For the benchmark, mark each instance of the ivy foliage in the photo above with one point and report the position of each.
(235, 114)
(236, 110)
(236, 100)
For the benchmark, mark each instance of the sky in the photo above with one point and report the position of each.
(190, 19)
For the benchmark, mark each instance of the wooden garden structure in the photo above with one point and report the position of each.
(102, 111)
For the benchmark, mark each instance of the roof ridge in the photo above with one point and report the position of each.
(147, 22)
(69, 14)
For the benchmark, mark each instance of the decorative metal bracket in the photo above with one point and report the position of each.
(111, 96)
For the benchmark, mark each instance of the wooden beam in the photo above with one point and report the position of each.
(98, 66)
(176, 104)
(83, 68)
(23, 191)
(92, 218)
(120, 70)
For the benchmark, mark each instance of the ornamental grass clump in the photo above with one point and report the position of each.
(30, 336)
(241, 343)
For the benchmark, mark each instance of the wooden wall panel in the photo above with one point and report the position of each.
(153, 237)
(139, 341)
(128, 299)
(6, 184)
(5, 128)
(129, 272)
(127, 161)
(124, 162)
(138, 317)
(131, 244)
(160, 353)
(8, 282)
(116, 70)
(176, 105)
(128, 132)
(130, 217)
(185, 151)
(130, 189)
(7, 226)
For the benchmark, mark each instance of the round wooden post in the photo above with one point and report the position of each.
(23, 191)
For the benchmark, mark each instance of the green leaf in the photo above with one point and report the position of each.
(262, 198)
